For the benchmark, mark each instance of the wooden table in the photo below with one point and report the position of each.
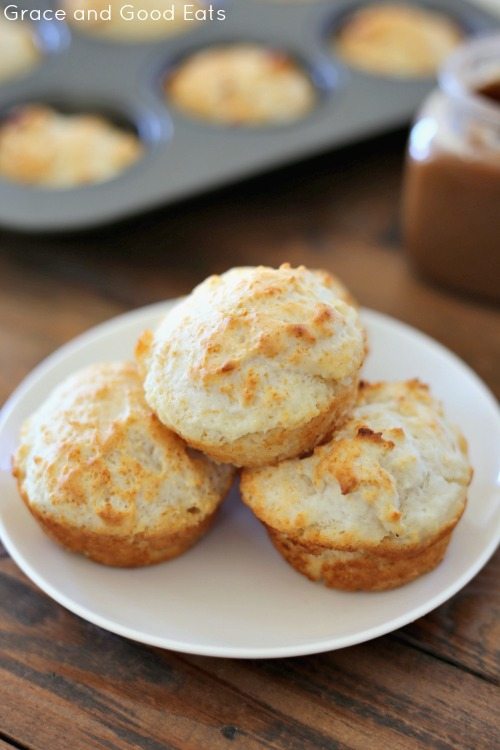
(65, 684)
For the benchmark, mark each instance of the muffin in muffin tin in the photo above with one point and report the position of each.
(241, 84)
(136, 21)
(272, 74)
(42, 147)
(404, 41)
(19, 50)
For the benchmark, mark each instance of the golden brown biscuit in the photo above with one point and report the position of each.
(241, 84)
(256, 365)
(18, 50)
(39, 146)
(375, 507)
(104, 478)
(397, 40)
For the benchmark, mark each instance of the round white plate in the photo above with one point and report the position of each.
(232, 595)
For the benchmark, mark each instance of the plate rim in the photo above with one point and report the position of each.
(261, 652)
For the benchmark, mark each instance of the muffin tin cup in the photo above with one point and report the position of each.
(185, 156)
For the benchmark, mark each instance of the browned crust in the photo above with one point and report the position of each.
(265, 448)
(134, 551)
(115, 550)
(375, 569)
(142, 350)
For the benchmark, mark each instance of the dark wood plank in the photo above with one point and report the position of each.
(466, 629)
(358, 696)
(124, 695)
(6, 745)
(37, 316)
(115, 693)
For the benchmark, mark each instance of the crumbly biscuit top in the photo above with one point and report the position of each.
(251, 350)
(241, 84)
(94, 455)
(397, 470)
(397, 40)
(39, 146)
(18, 51)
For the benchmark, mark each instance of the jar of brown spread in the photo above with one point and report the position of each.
(451, 207)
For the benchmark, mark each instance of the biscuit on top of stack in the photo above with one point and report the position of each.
(256, 365)
(359, 486)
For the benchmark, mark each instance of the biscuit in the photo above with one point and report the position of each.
(139, 20)
(19, 52)
(39, 146)
(375, 507)
(397, 40)
(241, 84)
(256, 365)
(104, 478)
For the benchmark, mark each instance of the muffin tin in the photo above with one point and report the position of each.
(124, 81)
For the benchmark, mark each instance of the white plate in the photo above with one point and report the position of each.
(232, 595)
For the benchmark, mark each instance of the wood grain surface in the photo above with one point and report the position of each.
(67, 685)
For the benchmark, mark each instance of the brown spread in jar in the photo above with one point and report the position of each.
(452, 195)
(490, 90)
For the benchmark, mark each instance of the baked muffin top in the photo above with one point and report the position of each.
(251, 350)
(241, 84)
(138, 23)
(94, 456)
(397, 40)
(396, 473)
(19, 51)
(42, 147)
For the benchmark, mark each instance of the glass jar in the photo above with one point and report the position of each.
(451, 206)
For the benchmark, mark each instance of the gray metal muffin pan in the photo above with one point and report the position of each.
(184, 156)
